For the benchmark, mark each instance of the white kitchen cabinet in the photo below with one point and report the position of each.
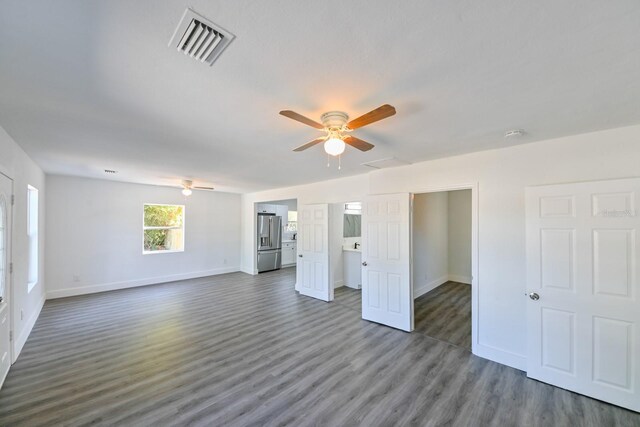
(289, 253)
(266, 208)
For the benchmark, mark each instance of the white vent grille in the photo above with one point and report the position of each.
(389, 162)
(200, 38)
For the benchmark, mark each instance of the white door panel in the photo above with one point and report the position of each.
(6, 189)
(582, 261)
(313, 251)
(387, 296)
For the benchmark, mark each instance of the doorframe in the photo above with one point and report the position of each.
(254, 227)
(475, 244)
(12, 350)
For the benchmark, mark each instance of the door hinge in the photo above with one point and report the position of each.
(13, 199)
(10, 268)
(10, 335)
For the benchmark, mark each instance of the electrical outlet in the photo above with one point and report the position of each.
(224, 261)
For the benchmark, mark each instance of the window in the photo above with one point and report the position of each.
(163, 228)
(32, 235)
(292, 221)
(353, 208)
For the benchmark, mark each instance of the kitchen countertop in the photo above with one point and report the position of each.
(351, 249)
(289, 241)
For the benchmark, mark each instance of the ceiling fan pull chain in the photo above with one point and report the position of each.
(328, 160)
(339, 161)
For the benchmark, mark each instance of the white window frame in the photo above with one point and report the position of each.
(289, 222)
(184, 225)
(353, 208)
(33, 219)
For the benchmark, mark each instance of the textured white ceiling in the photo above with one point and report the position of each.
(86, 86)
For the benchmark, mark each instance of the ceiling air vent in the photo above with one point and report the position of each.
(389, 162)
(200, 38)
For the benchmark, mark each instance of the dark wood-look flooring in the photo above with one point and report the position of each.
(243, 350)
(348, 297)
(443, 313)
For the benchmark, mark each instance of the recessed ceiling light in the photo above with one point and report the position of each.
(513, 133)
(110, 171)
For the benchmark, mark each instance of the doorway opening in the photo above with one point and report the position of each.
(441, 237)
(346, 262)
(276, 235)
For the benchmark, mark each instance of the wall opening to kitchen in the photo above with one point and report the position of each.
(276, 238)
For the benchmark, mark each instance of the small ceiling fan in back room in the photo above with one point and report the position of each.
(338, 128)
(188, 187)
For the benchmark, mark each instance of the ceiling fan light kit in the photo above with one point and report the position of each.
(188, 187)
(334, 146)
(337, 126)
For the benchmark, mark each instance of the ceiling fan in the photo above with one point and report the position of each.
(337, 127)
(188, 187)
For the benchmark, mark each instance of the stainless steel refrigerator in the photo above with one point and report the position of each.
(269, 242)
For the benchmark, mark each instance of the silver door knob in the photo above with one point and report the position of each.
(364, 263)
(300, 255)
(534, 296)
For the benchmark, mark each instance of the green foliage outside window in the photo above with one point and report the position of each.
(170, 220)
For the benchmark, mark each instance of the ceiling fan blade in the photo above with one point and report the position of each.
(310, 144)
(358, 143)
(204, 188)
(302, 119)
(379, 113)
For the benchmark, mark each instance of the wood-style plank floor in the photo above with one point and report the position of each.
(443, 313)
(348, 297)
(243, 350)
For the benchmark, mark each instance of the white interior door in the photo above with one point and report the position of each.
(6, 186)
(583, 314)
(387, 295)
(313, 251)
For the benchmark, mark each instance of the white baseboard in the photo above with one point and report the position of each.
(338, 284)
(429, 286)
(91, 289)
(460, 279)
(494, 354)
(22, 339)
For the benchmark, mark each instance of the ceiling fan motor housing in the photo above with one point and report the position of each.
(334, 119)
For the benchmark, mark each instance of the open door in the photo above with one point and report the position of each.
(313, 251)
(387, 294)
(583, 292)
(6, 190)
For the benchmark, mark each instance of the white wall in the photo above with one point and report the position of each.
(459, 235)
(501, 176)
(291, 204)
(94, 232)
(27, 304)
(430, 241)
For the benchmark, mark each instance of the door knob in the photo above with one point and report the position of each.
(364, 263)
(300, 255)
(534, 296)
